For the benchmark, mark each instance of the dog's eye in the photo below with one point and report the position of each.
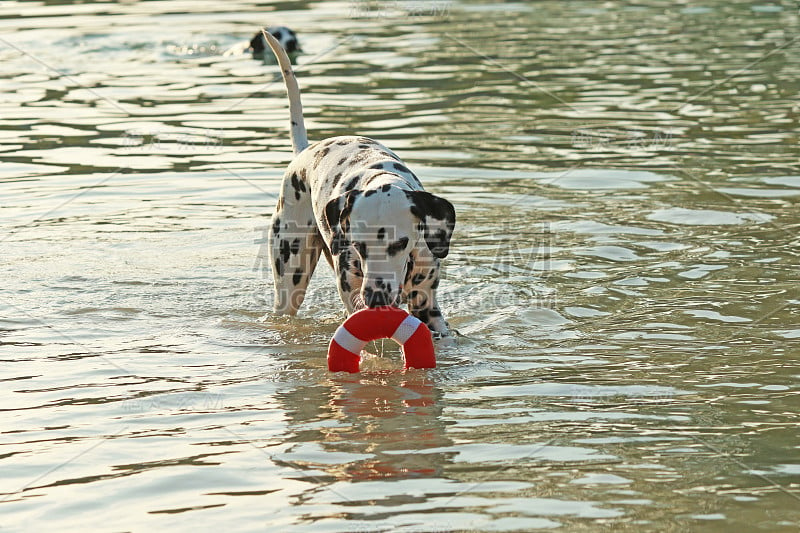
(397, 246)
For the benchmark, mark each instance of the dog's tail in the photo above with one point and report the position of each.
(299, 135)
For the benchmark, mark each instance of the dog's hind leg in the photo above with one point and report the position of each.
(295, 245)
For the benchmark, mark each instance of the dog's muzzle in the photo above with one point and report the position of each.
(375, 298)
(380, 296)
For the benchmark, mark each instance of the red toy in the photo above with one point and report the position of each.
(380, 323)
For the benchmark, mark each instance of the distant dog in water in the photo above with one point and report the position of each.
(353, 200)
(286, 37)
(259, 49)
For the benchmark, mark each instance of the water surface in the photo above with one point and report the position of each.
(623, 276)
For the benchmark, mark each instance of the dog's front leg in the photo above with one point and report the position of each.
(349, 279)
(422, 299)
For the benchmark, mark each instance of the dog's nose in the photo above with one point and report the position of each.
(375, 298)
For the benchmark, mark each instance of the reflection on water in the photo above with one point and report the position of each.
(623, 275)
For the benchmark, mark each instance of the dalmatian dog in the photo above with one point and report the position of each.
(286, 37)
(258, 47)
(354, 201)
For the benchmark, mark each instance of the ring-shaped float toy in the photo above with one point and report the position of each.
(380, 323)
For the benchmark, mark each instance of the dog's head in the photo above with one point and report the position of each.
(283, 35)
(380, 227)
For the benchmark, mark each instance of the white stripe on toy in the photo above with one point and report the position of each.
(348, 341)
(406, 329)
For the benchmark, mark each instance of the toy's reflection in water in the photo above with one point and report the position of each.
(383, 422)
(391, 422)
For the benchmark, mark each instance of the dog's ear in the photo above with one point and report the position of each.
(438, 217)
(337, 216)
(337, 211)
(257, 43)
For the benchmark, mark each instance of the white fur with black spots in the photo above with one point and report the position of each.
(354, 201)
